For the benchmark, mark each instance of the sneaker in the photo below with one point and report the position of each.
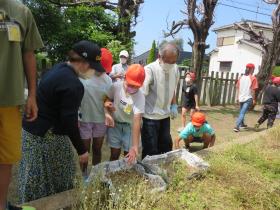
(257, 126)
(236, 130)
(244, 126)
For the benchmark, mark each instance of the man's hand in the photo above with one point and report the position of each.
(31, 109)
(83, 158)
(132, 155)
(109, 121)
(174, 111)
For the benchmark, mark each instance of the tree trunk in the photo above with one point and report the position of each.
(269, 59)
(198, 51)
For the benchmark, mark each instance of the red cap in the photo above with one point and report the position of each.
(250, 66)
(198, 118)
(192, 75)
(276, 80)
(135, 75)
(106, 59)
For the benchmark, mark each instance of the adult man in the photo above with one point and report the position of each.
(159, 90)
(19, 37)
(118, 70)
(247, 86)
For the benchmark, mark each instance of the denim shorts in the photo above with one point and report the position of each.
(120, 136)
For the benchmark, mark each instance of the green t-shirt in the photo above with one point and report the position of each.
(18, 34)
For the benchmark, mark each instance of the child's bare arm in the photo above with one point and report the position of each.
(177, 141)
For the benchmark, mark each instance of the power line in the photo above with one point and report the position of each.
(241, 17)
(248, 10)
(249, 5)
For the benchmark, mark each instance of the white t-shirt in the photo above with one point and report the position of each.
(245, 85)
(92, 105)
(126, 105)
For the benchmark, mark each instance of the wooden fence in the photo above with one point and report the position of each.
(215, 88)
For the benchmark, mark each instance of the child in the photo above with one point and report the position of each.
(129, 103)
(198, 130)
(270, 102)
(190, 97)
(92, 115)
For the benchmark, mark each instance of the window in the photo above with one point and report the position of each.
(223, 41)
(220, 41)
(228, 40)
(225, 66)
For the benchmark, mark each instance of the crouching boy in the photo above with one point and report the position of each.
(198, 130)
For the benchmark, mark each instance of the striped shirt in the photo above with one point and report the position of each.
(159, 88)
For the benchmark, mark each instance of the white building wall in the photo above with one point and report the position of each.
(246, 54)
(238, 54)
(214, 64)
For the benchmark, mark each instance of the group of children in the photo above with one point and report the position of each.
(113, 106)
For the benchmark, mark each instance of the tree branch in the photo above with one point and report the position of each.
(176, 27)
(104, 3)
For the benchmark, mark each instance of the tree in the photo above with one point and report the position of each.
(187, 62)
(271, 48)
(115, 47)
(126, 12)
(152, 53)
(60, 28)
(199, 20)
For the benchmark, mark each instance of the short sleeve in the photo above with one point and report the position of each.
(139, 103)
(184, 134)
(195, 92)
(255, 84)
(111, 91)
(209, 129)
(32, 39)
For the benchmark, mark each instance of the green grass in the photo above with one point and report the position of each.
(242, 177)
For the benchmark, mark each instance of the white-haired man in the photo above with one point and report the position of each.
(160, 103)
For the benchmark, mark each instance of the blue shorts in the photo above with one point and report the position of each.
(120, 136)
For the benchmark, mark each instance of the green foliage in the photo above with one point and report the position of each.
(115, 47)
(276, 71)
(60, 28)
(187, 62)
(152, 54)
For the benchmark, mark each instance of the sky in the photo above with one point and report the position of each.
(156, 15)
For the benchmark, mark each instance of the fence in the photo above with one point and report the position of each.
(216, 88)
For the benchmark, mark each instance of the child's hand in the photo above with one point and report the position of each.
(176, 145)
(109, 106)
(132, 155)
(109, 121)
